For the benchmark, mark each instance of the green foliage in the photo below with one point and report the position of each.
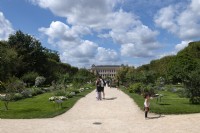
(26, 93)
(171, 103)
(136, 88)
(193, 86)
(17, 96)
(2, 87)
(38, 107)
(15, 85)
(29, 78)
(59, 93)
(39, 80)
(36, 91)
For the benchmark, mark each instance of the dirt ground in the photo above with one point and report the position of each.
(116, 114)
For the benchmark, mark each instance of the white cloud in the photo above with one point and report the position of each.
(73, 48)
(107, 55)
(133, 50)
(80, 12)
(5, 27)
(88, 17)
(183, 22)
(181, 45)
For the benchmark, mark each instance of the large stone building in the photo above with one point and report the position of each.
(105, 70)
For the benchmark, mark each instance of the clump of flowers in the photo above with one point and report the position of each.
(53, 98)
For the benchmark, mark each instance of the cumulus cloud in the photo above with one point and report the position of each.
(5, 27)
(133, 50)
(96, 17)
(181, 45)
(107, 55)
(80, 12)
(73, 48)
(183, 22)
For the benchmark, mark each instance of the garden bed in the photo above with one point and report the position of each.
(38, 106)
(171, 103)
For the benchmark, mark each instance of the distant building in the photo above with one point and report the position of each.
(105, 70)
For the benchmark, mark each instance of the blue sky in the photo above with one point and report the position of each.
(87, 32)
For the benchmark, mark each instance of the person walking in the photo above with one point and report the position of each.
(146, 105)
(103, 83)
(98, 89)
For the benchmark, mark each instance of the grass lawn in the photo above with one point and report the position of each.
(38, 107)
(170, 103)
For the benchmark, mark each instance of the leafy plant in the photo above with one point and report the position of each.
(39, 80)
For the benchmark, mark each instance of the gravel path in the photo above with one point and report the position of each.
(116, 114)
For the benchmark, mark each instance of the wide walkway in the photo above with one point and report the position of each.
(117, 114)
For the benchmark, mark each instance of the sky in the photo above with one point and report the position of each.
(105, 32)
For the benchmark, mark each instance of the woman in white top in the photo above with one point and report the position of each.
(146, 104)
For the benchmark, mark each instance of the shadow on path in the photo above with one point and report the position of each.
(156, 117)
(113, 98)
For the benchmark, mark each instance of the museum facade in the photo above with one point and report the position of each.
(105, 70)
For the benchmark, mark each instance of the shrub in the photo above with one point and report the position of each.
(77, 91)
(36, 91)
(17, 96)
(29, 78)
(150, 89)
(130, 91)
(47, 89)
(60, 93)
(2, 87)
(136, 88)
(81, 89)
(39, 80)
(71, 94)
(15, 85)
(193, 86)
(26, 93)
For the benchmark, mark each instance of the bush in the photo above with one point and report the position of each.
(150, 89)
(77, 91)
(26, 93)
(195, 99)
(193, 86)
(71, 94)
(60, 93)
(39, 80)
(136, 88)
(37, 91)
(17, 96)
(2, 87)
(15, 85)
(130, 91)
(47, 89)
(29, 78)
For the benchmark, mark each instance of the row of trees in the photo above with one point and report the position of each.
(24, 57)
(183, 68)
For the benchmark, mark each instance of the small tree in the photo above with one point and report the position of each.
(193, 86)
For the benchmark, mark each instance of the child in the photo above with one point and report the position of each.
(146, 104)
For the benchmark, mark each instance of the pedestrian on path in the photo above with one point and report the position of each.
(146, 105)
(103, 83)
(98, 89)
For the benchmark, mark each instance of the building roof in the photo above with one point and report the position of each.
(107, 65)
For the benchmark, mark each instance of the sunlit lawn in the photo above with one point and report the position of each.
(170, 103)
(38, 107)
